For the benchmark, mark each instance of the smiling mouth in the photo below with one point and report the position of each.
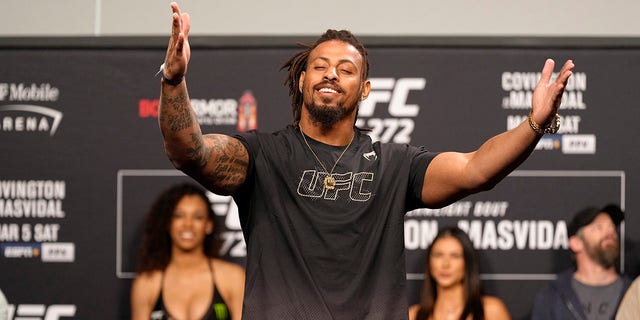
(186, 235)
(328, 87)
(328, 90)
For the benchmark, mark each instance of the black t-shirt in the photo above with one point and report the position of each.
(314, 253)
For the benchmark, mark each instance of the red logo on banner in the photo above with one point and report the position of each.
(247, 112)
(148, 108)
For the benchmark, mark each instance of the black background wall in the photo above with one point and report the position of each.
(82, 156)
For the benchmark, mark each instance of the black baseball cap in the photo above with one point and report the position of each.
(587, 215)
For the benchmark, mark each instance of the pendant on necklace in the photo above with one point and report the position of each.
(329, 183)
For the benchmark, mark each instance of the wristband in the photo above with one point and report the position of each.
(173, 82)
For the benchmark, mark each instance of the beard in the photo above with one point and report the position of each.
(327, 116)
(606, 256)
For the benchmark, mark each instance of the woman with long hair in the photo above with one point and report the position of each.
(452, 289)
(179, 274)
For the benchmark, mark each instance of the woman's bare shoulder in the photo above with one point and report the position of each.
(413, 311)
(145, 289)
(148, 278)
(228, 272)
(494, 308)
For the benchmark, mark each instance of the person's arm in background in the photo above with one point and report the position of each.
(145, 289)
(231, 285)
(495, 309)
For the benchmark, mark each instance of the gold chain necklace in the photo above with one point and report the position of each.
(329, 180)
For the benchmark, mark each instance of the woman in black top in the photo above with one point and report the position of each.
(179, 276)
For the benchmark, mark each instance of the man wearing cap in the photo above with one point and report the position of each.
(593, 289)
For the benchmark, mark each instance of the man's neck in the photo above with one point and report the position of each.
(338, 135)
(593, 274)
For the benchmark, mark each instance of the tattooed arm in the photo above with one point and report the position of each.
(218, 162)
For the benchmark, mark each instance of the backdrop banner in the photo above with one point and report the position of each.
(83, 159)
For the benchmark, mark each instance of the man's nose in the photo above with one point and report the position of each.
(331, 74)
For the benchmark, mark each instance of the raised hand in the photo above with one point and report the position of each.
(547, 96)
(178, 51)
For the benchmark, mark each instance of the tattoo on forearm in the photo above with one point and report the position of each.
(180, 115)
(196, 152)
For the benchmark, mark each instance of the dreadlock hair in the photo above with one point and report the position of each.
(298, 63)
(471, 282)
(155, 252)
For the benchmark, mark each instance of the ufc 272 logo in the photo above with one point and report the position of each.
(394, 92)
(40, 311)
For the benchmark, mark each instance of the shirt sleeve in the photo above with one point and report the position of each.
(420, 160)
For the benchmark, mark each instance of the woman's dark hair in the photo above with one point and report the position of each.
(471, 282)
(298, 63)
(155, 252)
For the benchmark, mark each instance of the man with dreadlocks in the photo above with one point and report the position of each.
(321, 205)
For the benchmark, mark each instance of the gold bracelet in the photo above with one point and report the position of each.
(550, 128)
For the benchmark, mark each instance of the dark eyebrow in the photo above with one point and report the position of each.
(325, 59)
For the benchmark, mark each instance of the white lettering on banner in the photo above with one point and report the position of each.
(4, 91)
(46, 232)
(232, 240)
(215, 111)
(456, 209)
(548, 143)
(36, 123)
(33, 92)
(9, 232)
(522, 100)
(33, 189)
(40, 311)
(233, 244)
(418, 234)
(20, 124)
(26, 232)
(58, 252)
(31, 209)
(493, 235)
(397, 129)
(32, 198)
(490, 208)
(528, 81)
(21, 250)
(387, 90)
(510, 234)
(388, 129)
(521, 85)
(579, 144)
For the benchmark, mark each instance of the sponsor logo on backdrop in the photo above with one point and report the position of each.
(397, 123)
(233, 243)
(520, 86)
(29, 211)
(476, 218)
(242, 113)
(28, 118)
(247, 112)
(40, 311)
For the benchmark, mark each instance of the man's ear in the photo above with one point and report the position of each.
(301, 80)
(575, 244)
(366, 89)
